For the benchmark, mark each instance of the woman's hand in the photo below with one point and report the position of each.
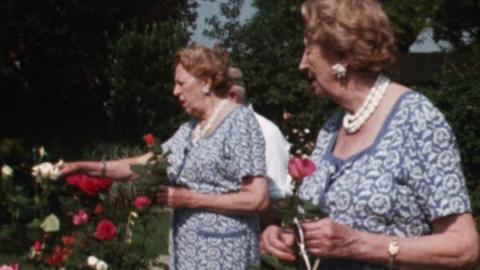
(175, 197)
(70, 168)
(325, 238)
(278, 243)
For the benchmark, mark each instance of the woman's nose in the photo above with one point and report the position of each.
(176, 90)
(302, 66)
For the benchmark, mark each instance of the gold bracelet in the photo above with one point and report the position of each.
(103, 171)
(393, 249)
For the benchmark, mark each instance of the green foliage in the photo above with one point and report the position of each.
(53, 61)
(141, 75)
(408, 19)
(458, 22)
(457, 95)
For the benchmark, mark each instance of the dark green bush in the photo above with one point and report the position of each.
(457, 95)
(141, 75)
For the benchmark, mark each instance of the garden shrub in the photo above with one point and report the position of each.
(141, 75)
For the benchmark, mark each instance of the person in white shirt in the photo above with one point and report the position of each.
(276, 147)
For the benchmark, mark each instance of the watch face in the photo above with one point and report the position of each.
(393, 248)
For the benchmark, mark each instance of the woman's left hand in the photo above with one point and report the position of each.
(326, 238)
(175, 197)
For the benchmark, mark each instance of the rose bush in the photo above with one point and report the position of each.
(87, 216)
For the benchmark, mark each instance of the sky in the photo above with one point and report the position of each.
(207, 9)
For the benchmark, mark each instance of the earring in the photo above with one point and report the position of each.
(206, 90)
(339, 71)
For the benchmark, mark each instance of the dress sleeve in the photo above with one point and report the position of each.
(180, 135)
(244, 148)
(433, 164)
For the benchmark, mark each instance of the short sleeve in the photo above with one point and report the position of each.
(244, 148)
(180, 136)
(433, 164)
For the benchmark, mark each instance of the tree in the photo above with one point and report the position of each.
(458, 22)
(53, 57)
(409, 18)
(140, 70)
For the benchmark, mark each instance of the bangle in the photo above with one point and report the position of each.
(103, 170)
(393, 249)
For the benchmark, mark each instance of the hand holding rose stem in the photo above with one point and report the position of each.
(293, 208)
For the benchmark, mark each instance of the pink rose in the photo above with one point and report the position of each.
(13, 266)
(300, 168)
(142, 202)
(80, 218)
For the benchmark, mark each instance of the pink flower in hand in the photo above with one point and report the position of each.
(300, 168)
(80, 218)
(142, 202)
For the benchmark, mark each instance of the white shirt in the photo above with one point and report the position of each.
(276, 153)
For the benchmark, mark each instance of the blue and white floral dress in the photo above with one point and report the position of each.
(410, 176)
(215, 164)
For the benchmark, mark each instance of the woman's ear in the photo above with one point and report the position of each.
(208, 83)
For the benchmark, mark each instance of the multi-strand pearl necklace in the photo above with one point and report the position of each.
(352, 123)
(200, 131)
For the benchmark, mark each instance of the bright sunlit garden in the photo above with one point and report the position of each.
(88, 80)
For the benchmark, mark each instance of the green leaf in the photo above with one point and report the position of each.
(21, 200)
(51, 224)
(6, 231)
(35, 223)
(275, 263)
(140, 170)
(312, 210)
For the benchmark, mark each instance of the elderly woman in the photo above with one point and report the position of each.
(217, 164)
(388, 168)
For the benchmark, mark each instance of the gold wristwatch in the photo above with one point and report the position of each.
(393, 249)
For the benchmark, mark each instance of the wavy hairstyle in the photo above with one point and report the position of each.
(205, 63)
(355, 30)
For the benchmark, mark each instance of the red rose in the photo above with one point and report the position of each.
(300, 168)
(142, 202)
(68, 240)
(149, 139)
(98, 209)
(89, 185)
(59, 256)
(105, 230)
(38, 246)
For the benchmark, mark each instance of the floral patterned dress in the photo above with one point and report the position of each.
(410, 176)
(215, 164)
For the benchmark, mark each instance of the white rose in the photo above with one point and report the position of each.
(47, 170)
(7, 172)
(92, 260)
(101, 265)
(41, 151)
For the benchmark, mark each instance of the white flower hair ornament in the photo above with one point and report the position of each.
(339, 70)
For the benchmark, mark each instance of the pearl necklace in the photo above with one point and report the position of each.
(352, 123)
(199, 131)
